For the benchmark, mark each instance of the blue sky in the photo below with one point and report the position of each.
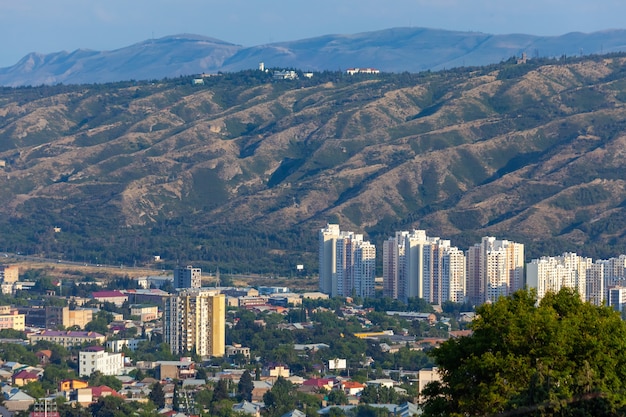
(53, 25)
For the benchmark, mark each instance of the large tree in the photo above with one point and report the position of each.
(560, 356)
(245, 386)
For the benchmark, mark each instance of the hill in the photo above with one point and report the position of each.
(390, 50)
(239, 173)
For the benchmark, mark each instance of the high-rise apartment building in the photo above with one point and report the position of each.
(194, 320)
(495, 268)
(327, 258)
(453, 273)
(415, 265)
(187, 277)
(552, 273)
(393, 266)
(347, 263)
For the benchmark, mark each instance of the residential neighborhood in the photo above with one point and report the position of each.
(85, 347)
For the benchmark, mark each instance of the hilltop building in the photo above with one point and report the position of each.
(194, 320)
(347, 263)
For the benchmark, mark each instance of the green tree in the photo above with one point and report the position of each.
(97, 379)
(337, 397)
(176, 397)
(35, 389)
(112, 406)
(245, 386)
(157, 396)
(280, 399)
(561, 357)
(220, 392)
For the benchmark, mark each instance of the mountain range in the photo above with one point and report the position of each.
(391, 50)
(240, 171)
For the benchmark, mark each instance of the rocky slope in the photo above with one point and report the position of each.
(243, 170)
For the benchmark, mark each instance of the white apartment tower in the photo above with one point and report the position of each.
(187, 277)
(347, 263)
(394, 266)
(595, 284)
(453, 275)
(415, 265)
(414, 269)
(194, 320)
(551, 274)
(495, 268)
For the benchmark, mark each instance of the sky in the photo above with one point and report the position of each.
(47, 26)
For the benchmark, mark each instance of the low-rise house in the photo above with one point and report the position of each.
(18, 401)
(237, 349)
(183, 369)
(12, 366)
(67, 338)
(276, 371)
(89, 395)
(5, 375)
(320, 383)
(382, 382)
(294, 413)
(24, 377)
(249, 408)
(351, 387)
(44, 356)
(72, 384)
(260, 388)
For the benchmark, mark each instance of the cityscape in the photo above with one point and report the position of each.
(310, 152)
(195, 327)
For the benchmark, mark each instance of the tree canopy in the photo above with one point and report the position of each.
(556, 357)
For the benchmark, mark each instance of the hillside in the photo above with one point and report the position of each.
(389, 50)
(239, 173)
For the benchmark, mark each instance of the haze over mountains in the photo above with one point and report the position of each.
(391, 50)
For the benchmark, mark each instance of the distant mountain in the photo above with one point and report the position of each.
(170, 56)
(240, 171)
(390, 50)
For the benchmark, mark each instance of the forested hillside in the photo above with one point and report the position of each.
(239, 173)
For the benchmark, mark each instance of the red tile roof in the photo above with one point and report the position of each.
(108, 294)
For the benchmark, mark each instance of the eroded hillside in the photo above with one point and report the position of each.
(242, 170)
